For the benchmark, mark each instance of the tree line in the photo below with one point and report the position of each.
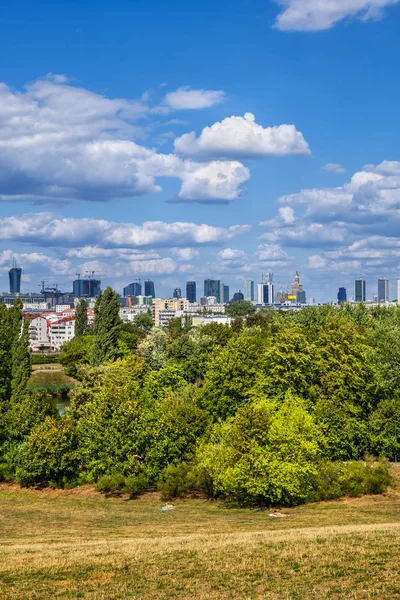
(279, 408)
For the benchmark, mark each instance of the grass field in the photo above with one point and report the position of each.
(48, 378)
(77, 544)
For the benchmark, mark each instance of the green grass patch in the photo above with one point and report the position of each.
(51, 381)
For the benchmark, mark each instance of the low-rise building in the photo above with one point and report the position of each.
(61, 331)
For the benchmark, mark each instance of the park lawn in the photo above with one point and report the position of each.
(46, 378)
(78, 544)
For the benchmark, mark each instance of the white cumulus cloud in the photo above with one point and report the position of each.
(46, 229)
(186, 98)
(318, 15)
(62, 143)
(334, 168)
(240, 138)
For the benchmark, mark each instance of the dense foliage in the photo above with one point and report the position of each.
(280, 408)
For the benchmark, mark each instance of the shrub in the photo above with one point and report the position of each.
(177, 480)
(117, 484)
(353, 478)
(111, 484)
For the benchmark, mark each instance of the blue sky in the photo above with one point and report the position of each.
(292, 163)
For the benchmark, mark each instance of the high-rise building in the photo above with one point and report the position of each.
(133, 289)
(301, 297)
(86, 288)
(191, 291)
(398, 290)
(223, 293)
(359, 290)
(249, 290)
(14, 275)
(177, 293)
(383, 290)
(265, 293)
(149, 289)
(296, 285)
(342, 295)
(212, 287)
(225, 298)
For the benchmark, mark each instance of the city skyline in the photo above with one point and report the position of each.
(174, 168)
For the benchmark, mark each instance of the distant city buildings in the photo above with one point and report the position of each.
(224, 293)
(149, 289)
(86, 288)
(212, 287)
(342, 295)
(265, 289)
(249, 290)
(359, 290)
(133, 289)
(383, 290)
(191, 291)
(14, 276)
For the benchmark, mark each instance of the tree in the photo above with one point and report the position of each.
(241, 308)
(230, 375)
(107, 327)
(266, 453)
(144, 322)
(21, 363)
(81, 318)
(153, 348)
(75, 353)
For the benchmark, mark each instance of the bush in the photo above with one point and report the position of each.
(177, 480)
(353, 478)
(117, 484)
(111, 484)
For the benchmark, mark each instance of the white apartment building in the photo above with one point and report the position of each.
(60, 308)
(61, 331)
(38, 333)
(200, 320)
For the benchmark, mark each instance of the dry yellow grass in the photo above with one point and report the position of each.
(76, 544)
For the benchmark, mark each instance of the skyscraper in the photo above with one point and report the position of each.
(133, 289)
(265, 293)
(149, 289)
(383, 290)
(86, 288)
(191, 291)
(212, 287)
(14, 276)
(177, 293)
(249, 290)
(359, 290)
(398, 290)
(342, 295)
(225, 298)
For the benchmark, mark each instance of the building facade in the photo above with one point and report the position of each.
(86, 288)
(149, 288)
(342, 295)
(133, 289)
(177, 293)
(265, 293)
(383, 290)
(14, 276)
(249, 290)
(191, 291)
(212, 287)
(359, 290)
